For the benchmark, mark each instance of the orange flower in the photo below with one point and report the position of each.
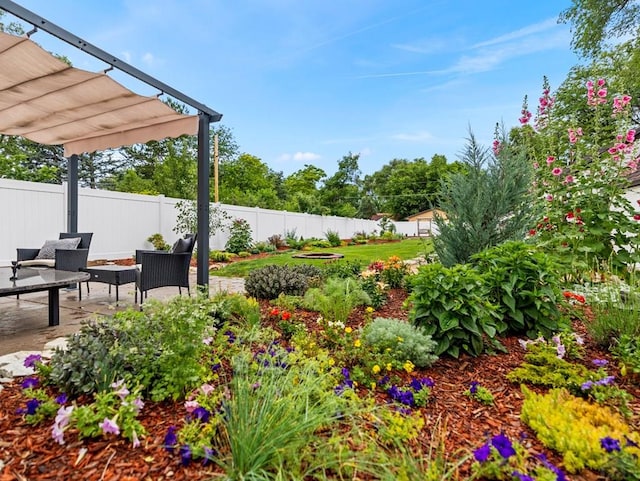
(286, 315)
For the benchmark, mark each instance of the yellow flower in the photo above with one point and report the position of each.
(399, 339)
(357, 343)
(369, 310)
(389, 367)
(348, 330)
(332, 361)
(376, 369)
(373, 385)
(408, 366)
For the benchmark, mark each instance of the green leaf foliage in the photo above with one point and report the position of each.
(451, 305)
(523, 283)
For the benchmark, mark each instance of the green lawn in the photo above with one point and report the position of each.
(365, 254)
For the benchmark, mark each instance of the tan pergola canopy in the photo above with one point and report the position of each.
(49, 102)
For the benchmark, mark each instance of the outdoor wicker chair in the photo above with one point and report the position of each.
(60, 254)
(165, 268)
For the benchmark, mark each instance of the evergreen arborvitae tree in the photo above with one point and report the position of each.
(486, 205)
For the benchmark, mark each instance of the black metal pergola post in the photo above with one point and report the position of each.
(206, 116)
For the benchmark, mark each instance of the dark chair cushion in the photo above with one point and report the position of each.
(182, 245)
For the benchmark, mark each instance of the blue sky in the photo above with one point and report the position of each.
(308, 81)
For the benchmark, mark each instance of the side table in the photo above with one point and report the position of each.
(113, 275)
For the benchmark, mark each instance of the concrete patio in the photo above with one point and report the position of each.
(23, 321)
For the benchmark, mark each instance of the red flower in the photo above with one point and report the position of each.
(274, 312)
(636, 217)
(532, 232)
(286, 315)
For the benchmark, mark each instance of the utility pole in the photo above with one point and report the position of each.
(215, 167)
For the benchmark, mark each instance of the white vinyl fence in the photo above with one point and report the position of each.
(31, 213)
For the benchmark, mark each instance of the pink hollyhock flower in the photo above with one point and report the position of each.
(568, 179)
(550, 160)
(601, 82)
(631, 136)
(589, 84)
(613, 150)
(602, 93)
(549, 197)
(557, 171)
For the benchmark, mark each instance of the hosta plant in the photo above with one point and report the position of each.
(450, 305)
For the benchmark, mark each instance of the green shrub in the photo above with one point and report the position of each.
(543, 367)
(240, 237)
(627, 351)
(375, 291)
(220, 256)
(270, 281)
(451, 305)
(336, 298)
(333, 237)
(158, 242)
(159, 349)
(524, 285)
(321, 243)
(400, 340)
(341, 268)
(262, 247)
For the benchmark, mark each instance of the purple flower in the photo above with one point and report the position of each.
(560, 476)
(109, 426)
(346, 373)
(586, 385)
(419, 384)
(521, 476)
(473, 389)
(31, 359)
(216, 366)
(600, 362)
(630, 442)
(503, 445)
(120, 389)
(401, 395)
(29, 382)
(605, 381)
(610, 444)
(209, 455)
(202, 414)
(61, 399)
(230, 336)
(185, 454)
(170, 439)
(32, 406)
(482, 453)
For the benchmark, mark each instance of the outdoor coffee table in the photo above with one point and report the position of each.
(113, 275)
(32, 279)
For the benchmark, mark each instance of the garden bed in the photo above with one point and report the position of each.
(29, 452)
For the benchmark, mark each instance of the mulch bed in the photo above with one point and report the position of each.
(30, 453)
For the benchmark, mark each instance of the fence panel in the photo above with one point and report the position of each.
(121, 222)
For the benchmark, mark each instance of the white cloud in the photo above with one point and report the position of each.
(299, 157)
(365, 152)
(148, 58)
(520, 33)
(420, 136)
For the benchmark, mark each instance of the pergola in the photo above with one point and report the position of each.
(45, 100)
